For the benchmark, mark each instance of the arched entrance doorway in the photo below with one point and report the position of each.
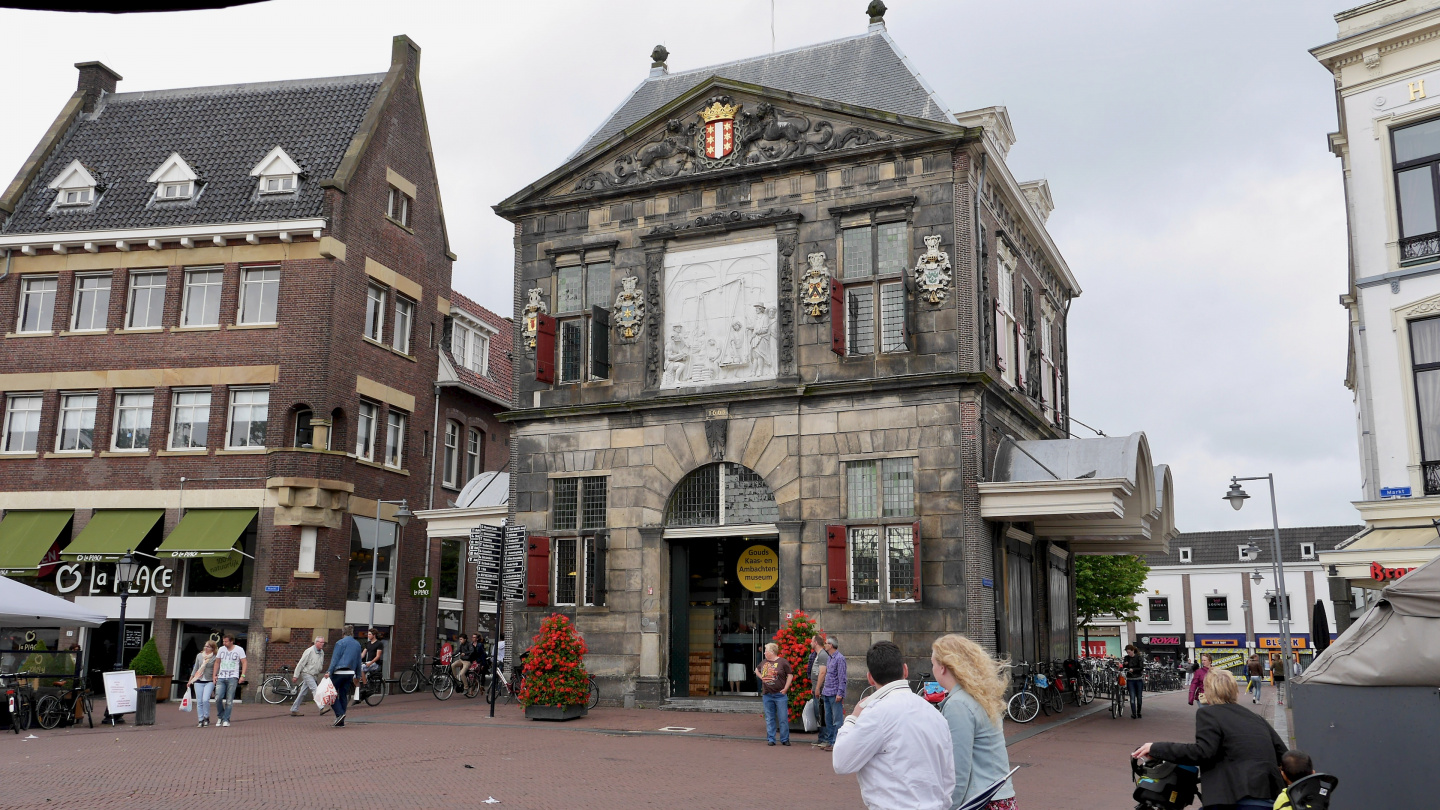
(720, 525)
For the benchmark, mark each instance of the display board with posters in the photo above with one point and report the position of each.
(120, 692)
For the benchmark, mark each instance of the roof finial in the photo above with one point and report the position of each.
(657, 61)
(876, 10)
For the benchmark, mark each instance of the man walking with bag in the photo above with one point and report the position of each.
(344, 663)
(311, 664)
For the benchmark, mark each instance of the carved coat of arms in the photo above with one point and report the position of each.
(629, 308)
(719, 133)
(530, 320)
(932, 271)
(815, 286)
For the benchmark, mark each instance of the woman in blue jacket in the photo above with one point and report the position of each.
(973, 709)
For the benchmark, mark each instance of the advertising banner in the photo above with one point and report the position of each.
(120, 692)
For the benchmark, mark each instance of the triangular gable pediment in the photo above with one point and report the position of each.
(276, 162)
(173, 170)
(74, 176)
(767, 126)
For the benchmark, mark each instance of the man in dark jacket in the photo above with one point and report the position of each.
(1134, 666)
(344, 663)
(1236, 750)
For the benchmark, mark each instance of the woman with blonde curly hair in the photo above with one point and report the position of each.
(976, 684)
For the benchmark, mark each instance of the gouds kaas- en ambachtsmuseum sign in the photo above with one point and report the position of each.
(758, 568)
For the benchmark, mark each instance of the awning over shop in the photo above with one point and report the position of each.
(1381, 554)
(206, 533)
(111, 533)
(25, 538)
(1103, 495)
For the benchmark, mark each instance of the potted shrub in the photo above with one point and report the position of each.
(555, 685)
(150, 671)
(794, 640)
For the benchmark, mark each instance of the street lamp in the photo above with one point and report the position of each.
(125, 570)
(1237, 497)
(402, 516)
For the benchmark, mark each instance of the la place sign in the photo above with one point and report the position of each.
(1380, 573)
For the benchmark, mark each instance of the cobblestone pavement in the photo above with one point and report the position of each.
(412, 752)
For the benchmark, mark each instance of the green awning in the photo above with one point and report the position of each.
(206, 533)
(26, 537)
(111, 533)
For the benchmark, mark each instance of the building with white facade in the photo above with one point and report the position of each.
(1386, 66)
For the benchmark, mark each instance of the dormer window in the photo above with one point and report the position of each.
(74, 186)
(1185, 555)
(174, 180)
(277, 173)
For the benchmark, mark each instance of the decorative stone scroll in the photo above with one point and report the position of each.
(932, 271)
(629, 309)
(530, 323)
(815, 286)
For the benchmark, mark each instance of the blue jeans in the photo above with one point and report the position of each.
(225, 689)
(342, 684)
(203, 691)
(834, 709)
(1255, 682)
(777, 716)
(1137, 692)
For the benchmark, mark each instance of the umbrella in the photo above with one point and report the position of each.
(1320, 628)
(24, 606)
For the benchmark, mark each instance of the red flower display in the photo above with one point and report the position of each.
(794, 640)
(554, 672)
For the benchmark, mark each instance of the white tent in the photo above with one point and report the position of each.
(26, 607)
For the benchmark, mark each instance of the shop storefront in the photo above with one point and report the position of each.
(1169, 648)
(1101, 641)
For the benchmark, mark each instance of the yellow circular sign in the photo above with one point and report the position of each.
(758, 568)
(224, 565)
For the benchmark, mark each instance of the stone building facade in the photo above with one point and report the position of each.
(774, 323)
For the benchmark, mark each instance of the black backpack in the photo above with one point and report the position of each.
(1164, 785)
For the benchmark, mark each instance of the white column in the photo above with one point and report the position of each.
(307, 549)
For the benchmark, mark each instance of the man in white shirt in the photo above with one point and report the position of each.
(230, 668)
(895, 743)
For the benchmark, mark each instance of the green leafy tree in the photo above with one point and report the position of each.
(1106, 586)
(555, 667)
(147, 661)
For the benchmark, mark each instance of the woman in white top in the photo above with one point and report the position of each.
(202, 684)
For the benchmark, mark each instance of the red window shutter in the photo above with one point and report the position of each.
(837, 564)
(837, 318)
(545, 349)
(916, 538)
(537, 568)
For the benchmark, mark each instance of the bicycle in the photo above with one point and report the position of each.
(1051, 698)
(1024, 705)
(593, 699)
(1119, 698)
(53, 710)
(415, 675)
(511, 686)
(278, 688)
(445, 685)
(373, 690)
(19, 703)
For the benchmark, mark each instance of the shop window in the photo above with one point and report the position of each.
(259, 294)
(77, 423)
(190, 420)
(363, 550)
(37, 304)
(451, 568)
(448, 624)
(1274, 603)
(133, 411)
(450, 474)
(201, 306)
(1217, 608)
(146, 305)
(91, 308)
(873, 266)
(22, 422)
(226, 575)
(582, 302)
(369, 414)
(1159, 609)
(579, 503)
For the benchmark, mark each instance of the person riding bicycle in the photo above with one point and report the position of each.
(371, 653)
(460, 659)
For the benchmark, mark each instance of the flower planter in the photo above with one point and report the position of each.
(538, 712)
(160, 682)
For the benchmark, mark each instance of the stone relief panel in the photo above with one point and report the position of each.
(720, 311)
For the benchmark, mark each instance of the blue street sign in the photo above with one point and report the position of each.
(272, 588)
(987, 582)
(1395, 492)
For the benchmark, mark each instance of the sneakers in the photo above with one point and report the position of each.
(225, 723)
(769, 743)
(294, 713)
(787, 742)
(200, 724)
(827, 747)
(339, 721)
(324, 710)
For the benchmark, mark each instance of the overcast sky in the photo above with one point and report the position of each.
(1184, 144)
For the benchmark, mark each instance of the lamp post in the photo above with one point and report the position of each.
(1237, 497)
(401, 517)
(125, 570)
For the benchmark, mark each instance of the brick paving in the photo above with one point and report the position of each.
(412, 750)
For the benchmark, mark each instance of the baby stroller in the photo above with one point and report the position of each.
(1163, 785)
(1313, 792)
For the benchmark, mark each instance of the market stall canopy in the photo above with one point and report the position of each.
(1103, 495)
(1408, 546)
(24, 606)
(1396, 643)
(206, 533)
(111, 533)
(26, 537)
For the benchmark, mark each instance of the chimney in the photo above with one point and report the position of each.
(404, 52)
(96, 80)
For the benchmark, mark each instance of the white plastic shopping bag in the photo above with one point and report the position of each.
(808, 715)
(324, 693)
(187, 702)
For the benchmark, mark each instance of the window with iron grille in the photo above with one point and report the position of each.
(1416, 151)
(582, 306)
(882, 557)
(579, 503)
(880, 488)
(574, 571)
(721, 494)
(872, 267)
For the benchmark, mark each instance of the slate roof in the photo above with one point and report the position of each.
(499, 383)
(867, 71)
(1222, 548)
(221, 132)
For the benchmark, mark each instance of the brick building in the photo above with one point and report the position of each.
(224, 309)
(790, 336)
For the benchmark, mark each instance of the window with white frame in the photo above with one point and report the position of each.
(1416, 161)
(873, 263)
(174, 179)
(374, 311)
(365, 430)
(91, 307)
(575, 576)
(1307, 551)
(133, 411)
(175, 191)
(259, 294)
(37, 304)
(1274, 602)
(1185, 555)
(395, 423)
(471, 348)
(474, 453)
(74, 186)
(404, 318)
(450, 470)
(76, 431)
(579, 503)
(190, 420)
(201, 306)
(76, 196)
(397, 206)
(22, 422)
(249, 417)
(1047, 369)
(582, 301)
(277, 173)
(146, 306)
(882, 557)
(1217, 609)
(277, 184)
(1159, 609)
(1425, 370)
(1006, 350)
